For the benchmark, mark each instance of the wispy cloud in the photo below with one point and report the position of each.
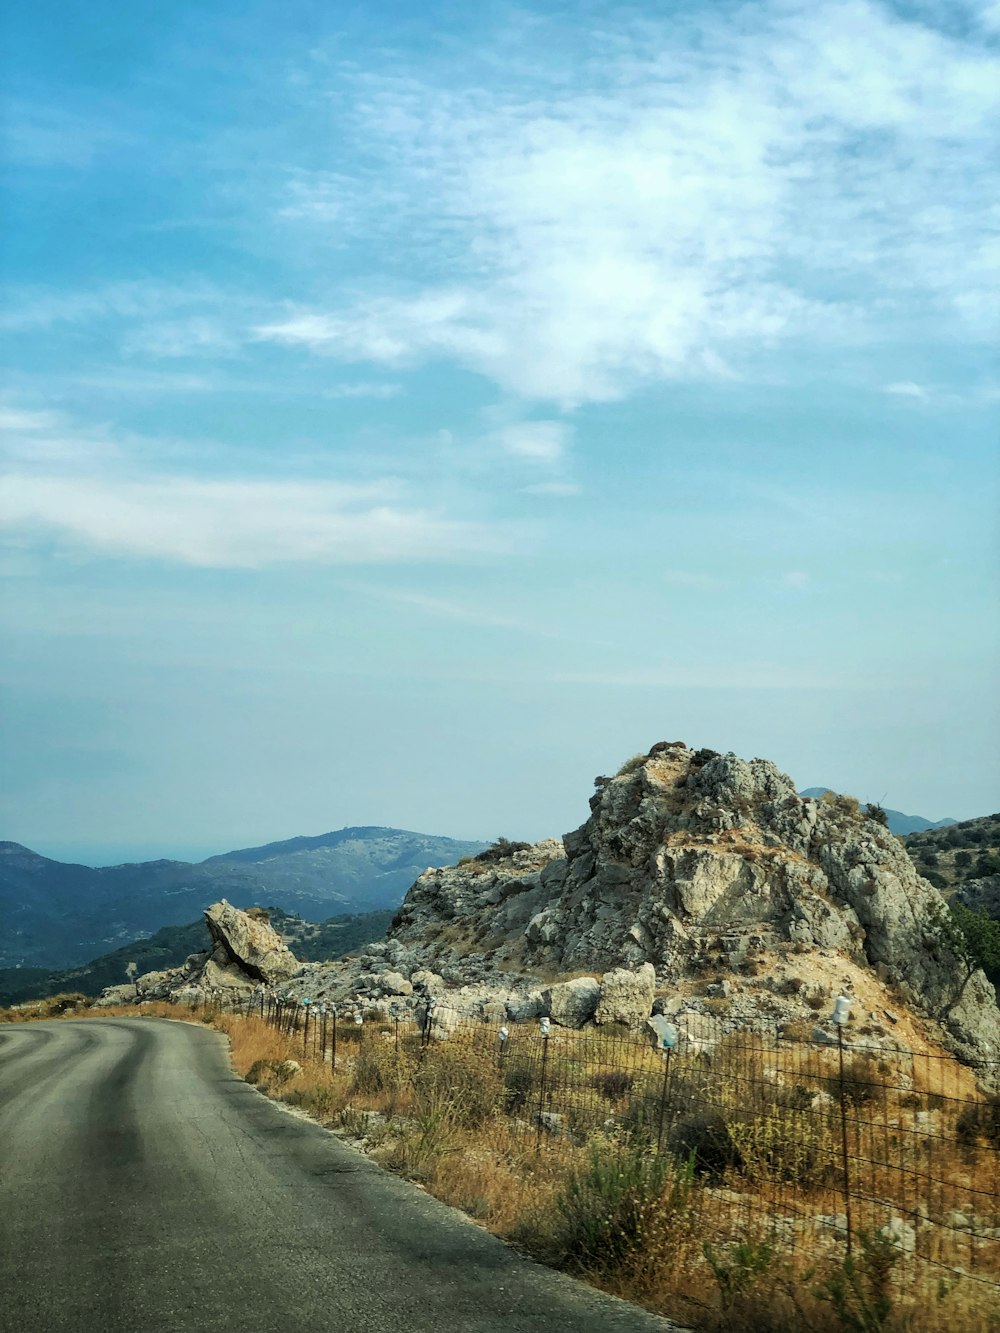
(364, 389)
(556, 489)
(703, 190)
(537, 441)
(905, 389)
(245, 524)
(38, 134)
(92, 491)
(445, 608)
(707, 675)
(685, 578)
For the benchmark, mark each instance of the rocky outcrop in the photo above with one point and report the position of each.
(247, 942)
(246, 952)
(701, 886)
(693, 861)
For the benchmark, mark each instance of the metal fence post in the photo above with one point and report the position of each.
(663, 1098)
(841, 1011)
(541, 1089)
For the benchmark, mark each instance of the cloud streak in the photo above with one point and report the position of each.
(685, 197)
(247, 524)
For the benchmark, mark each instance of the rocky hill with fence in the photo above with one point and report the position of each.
(702, 886)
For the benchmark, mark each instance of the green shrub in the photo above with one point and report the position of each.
(615, 1084)
(259, 1071)
(519, 1081)
(704, 1138)
(62, 1004)
(982, 1121)
(604, 1206)
(780, 1144)
(863, 1081)
(860, 1289)
(502, 850)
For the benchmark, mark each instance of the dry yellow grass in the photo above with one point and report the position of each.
(496, 1167)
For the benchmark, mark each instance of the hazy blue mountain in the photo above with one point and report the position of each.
(168, 947)
(899, 823)
(56, 915)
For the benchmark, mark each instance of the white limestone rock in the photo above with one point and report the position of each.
(571, 1004)
(626, 996)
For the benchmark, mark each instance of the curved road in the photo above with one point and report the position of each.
(144, 1187)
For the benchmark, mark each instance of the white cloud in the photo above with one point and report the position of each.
(237, 524)
(364, 389)
(37, 308)
(557, 489)
(905, 389)
(684, 578)
(37, 134)
(677, 198)
(22, 419)
(195, 336)
(705, 675)
(537, 441)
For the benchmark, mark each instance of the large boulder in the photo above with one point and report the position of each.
(249, 942)
(626, 996)
(572, 1003)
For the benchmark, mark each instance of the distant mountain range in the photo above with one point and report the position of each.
(899, 823)
(56, 915)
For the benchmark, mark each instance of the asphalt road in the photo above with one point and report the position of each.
(144, 1187)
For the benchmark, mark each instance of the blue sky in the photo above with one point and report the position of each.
(410, 412)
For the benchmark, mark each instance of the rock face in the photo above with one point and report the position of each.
(692, 857)
(246, 952)
(249, 943)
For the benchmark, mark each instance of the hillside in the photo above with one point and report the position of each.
(55, 915)
(309, 940)
(953, 857)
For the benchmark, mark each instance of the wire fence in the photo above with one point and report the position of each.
(805, 1144)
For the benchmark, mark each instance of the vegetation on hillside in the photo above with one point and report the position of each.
(950, 857)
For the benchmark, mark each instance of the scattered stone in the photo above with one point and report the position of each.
(394, 983)
(899, 1233)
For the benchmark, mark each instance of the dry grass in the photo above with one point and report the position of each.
(463, 1123)
(499, 1167)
